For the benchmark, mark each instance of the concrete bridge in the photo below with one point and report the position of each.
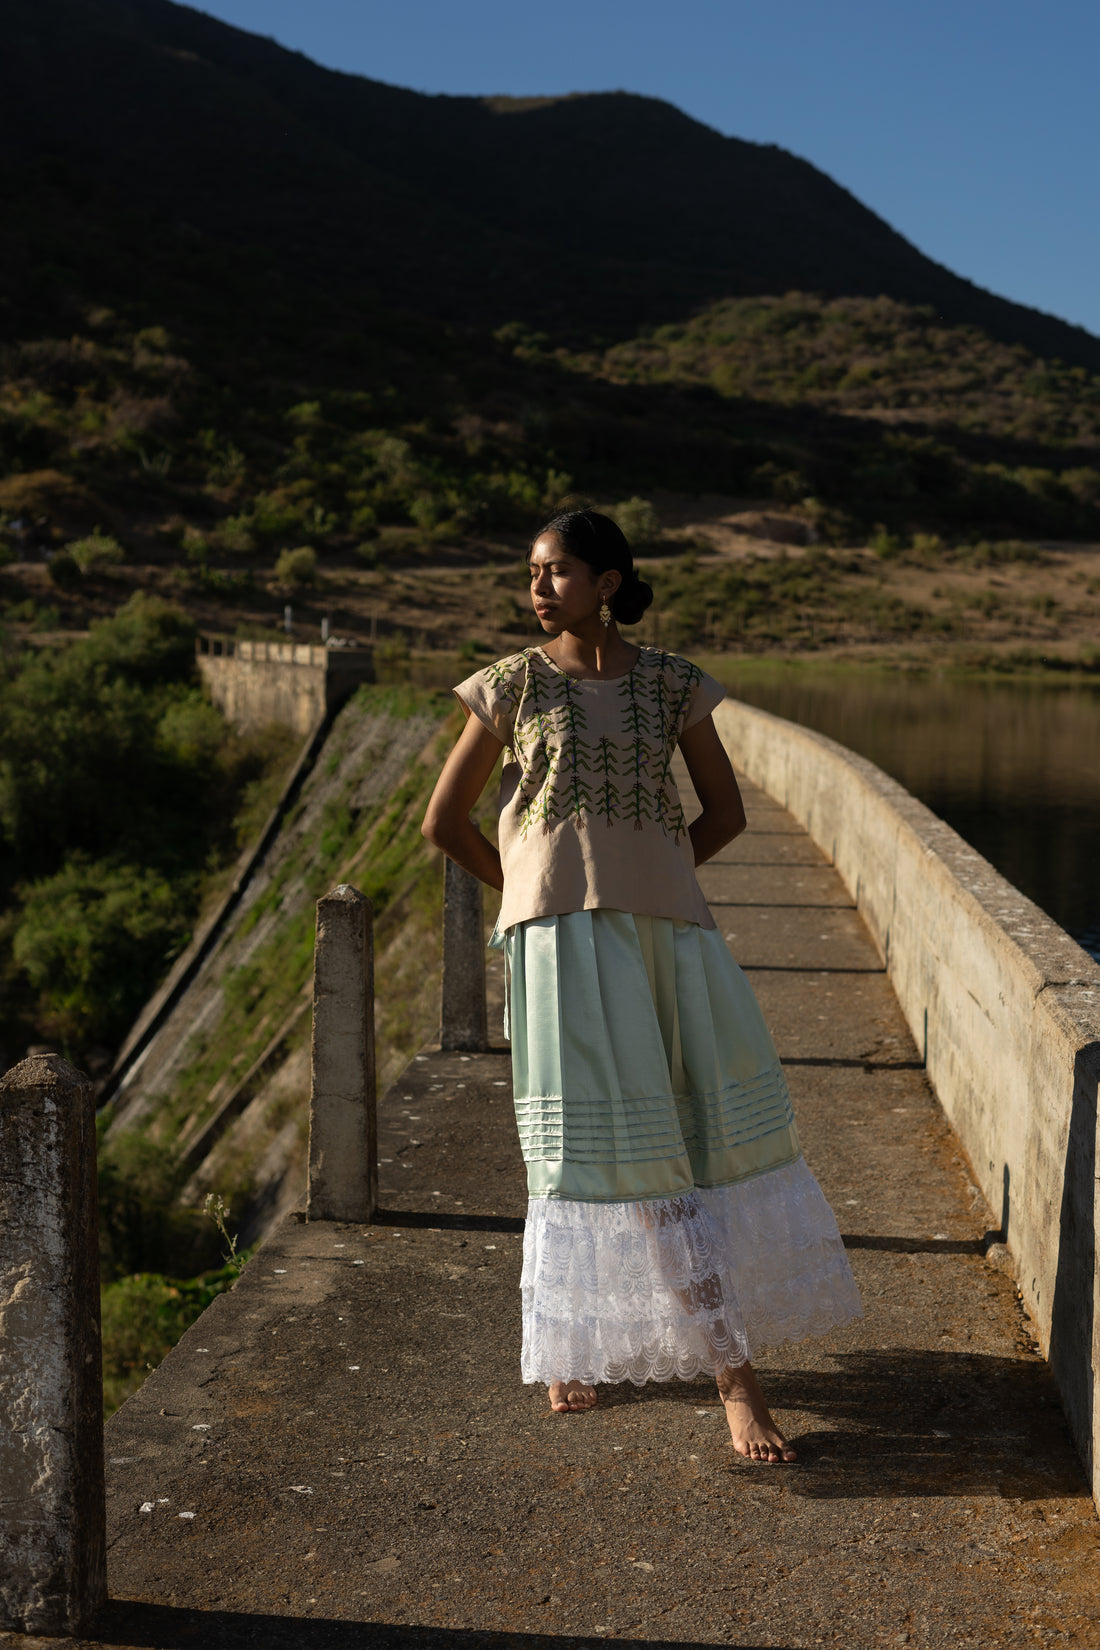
(340, 1453)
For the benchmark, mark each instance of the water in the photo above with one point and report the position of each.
(1013, 765)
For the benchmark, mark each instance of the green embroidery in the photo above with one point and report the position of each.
(580, 802)
(608, 793)
(565, 773)
(639, 722)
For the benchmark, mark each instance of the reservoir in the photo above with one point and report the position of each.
(1012, 764)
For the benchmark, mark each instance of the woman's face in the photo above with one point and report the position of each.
(565, 592)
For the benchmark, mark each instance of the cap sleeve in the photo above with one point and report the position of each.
(706, 693)
(493, 695)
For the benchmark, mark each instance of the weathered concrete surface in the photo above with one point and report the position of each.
(1003, 1004)
(256, 683)
(52, 1517)
(343, 1135)
(365, 1468)
(463, 1023)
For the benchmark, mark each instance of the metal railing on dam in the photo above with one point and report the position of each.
(1003, 1003)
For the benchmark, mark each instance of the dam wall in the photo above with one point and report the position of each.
(292, 683)
(1004, 1005)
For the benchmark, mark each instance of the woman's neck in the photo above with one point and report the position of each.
(585, 654)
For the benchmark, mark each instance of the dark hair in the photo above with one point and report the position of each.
(600, 542)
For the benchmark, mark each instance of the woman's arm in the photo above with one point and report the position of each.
(723, 815)
(447, 822)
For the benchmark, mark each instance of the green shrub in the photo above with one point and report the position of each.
(559, 484)
(639, 521)
(143, 1317)
(297, 568)
(147, 641)
(195, 546)
(226, 464)
(426, 511)
(118, 784)
(96, 553)
(885, 544)
(90, 938)
(273, 515)
(235, 535)
(927, 548)
(394, 457)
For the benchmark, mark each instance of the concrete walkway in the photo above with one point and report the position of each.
(340, 1453)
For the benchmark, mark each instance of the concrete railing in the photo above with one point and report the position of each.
(1004, 1005)
(343, 1110)
(53, 1574)
(464, 1026)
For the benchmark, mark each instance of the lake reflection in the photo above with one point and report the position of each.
(1013, 766)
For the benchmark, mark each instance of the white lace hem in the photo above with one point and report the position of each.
(670, 1288)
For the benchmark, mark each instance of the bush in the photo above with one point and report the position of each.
(143, 1317)
(148, 640)
(274, 515)
(195, 546)
(426, 511)
(216, 581)
(96, 553)
(885, 544)
(297, 568)
(639, 522)
(90, 939)
(235, 535)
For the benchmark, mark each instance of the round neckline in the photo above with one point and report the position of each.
(585, 681)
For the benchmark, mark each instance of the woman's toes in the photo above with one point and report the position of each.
(568, 1397)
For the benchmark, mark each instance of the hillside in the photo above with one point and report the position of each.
(583, 215)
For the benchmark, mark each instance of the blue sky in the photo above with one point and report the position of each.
(972, 126)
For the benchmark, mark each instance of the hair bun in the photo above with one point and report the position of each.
(631, 599)
(600, 542)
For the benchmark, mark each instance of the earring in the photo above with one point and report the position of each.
(605, 615)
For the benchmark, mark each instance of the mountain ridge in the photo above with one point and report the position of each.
(588, 215)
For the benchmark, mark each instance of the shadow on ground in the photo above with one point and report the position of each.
(902, 1423)
(161, 1627)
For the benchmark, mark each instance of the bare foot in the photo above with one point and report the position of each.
(752, 1429)
(566, 1396)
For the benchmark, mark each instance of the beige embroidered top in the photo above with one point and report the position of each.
(589, 813)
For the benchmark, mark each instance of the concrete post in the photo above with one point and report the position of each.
(53, 1571)
(343, 1119)
(464, 1025)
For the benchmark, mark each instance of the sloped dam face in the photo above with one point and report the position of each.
(225, 1078)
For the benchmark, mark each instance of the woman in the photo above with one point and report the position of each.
(672, 1220)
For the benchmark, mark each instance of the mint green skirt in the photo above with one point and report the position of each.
(673, 1224)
